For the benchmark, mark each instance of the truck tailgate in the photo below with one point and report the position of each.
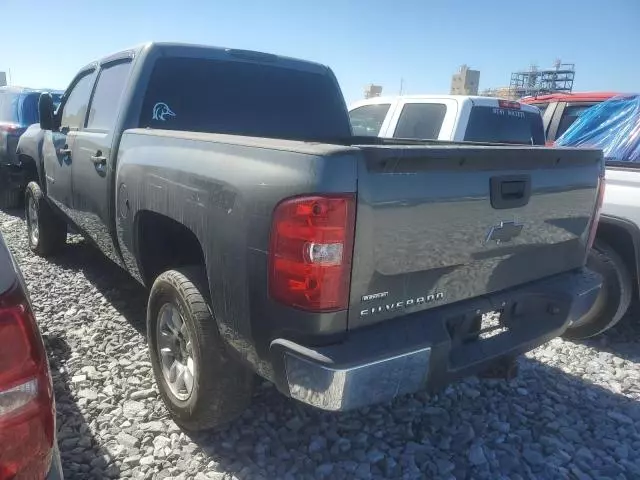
(439, 224)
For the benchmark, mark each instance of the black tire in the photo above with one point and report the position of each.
(51, 228)
(222, 387)
(9, 198)
(614, 298)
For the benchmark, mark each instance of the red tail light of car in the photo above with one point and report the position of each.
(27, 420)
(310, 253)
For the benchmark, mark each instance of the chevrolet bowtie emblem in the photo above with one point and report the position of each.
(505, 232)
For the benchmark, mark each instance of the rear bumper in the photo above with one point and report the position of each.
(430, 349)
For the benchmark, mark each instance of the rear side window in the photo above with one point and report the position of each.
(504, 125)
(569, 115)
(367, 120)
(243, 98)
(421, 121)
(8, 107)
(75, 108)
(107, 96)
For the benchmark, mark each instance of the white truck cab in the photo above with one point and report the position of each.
(448, 117)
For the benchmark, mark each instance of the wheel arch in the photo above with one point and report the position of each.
(624, 237)
(162, 243)
(34, 169)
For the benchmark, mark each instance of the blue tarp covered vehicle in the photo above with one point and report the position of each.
(613, 126)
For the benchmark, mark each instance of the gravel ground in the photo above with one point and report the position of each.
(573, 412)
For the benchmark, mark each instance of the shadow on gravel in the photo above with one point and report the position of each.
(623, 340)
(82, 456)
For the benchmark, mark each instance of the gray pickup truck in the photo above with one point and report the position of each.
(345, 270)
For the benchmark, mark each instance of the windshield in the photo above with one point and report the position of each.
(504, 125)
(243, 98)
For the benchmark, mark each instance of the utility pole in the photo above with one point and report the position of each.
(401, 85)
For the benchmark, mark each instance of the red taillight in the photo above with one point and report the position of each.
(596, 216)
(26, 399)
(310, 253)
(509, 104)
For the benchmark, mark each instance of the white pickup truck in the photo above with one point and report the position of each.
(453, 118)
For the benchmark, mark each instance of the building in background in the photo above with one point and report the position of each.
(465, 82)
(558, 79)
(373, 91)
(3, 79)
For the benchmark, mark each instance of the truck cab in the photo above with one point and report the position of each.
(453, 118)
(560, 110)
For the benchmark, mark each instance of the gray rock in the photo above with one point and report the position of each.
(533, 457)
(317, 445)
(324, 470)
(132, 408)
(133, 460)
(476, 455)
(363, 471)
(620, 417)
(127, 440)
(88, 394)
(143, 394)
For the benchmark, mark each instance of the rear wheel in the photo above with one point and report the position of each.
(200, 384)
(614, 298)
(47, 232)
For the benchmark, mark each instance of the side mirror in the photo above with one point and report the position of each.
(45, 111)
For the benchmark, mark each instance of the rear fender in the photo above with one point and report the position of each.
(624, 236)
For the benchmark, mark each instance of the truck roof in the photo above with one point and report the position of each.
(573, 97)
(210, 52)
(477, 100)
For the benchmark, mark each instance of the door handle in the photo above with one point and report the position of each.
(510, 191)
(64, 151)
(98, 160)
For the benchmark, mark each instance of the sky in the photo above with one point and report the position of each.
(422, 42)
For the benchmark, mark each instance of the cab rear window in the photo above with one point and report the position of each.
(505, 125)
(243, 98)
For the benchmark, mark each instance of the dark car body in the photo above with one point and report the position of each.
(38, 454)
(18, 110)
(560, 110)
(170, 155)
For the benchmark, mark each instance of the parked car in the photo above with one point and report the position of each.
(613, 126)
(560, 110)
(454, 118)
(18, 110)
(28, 447)
(345, 270)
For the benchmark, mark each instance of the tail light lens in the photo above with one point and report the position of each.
(310, 254)
(596, 216)
(27, 421)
